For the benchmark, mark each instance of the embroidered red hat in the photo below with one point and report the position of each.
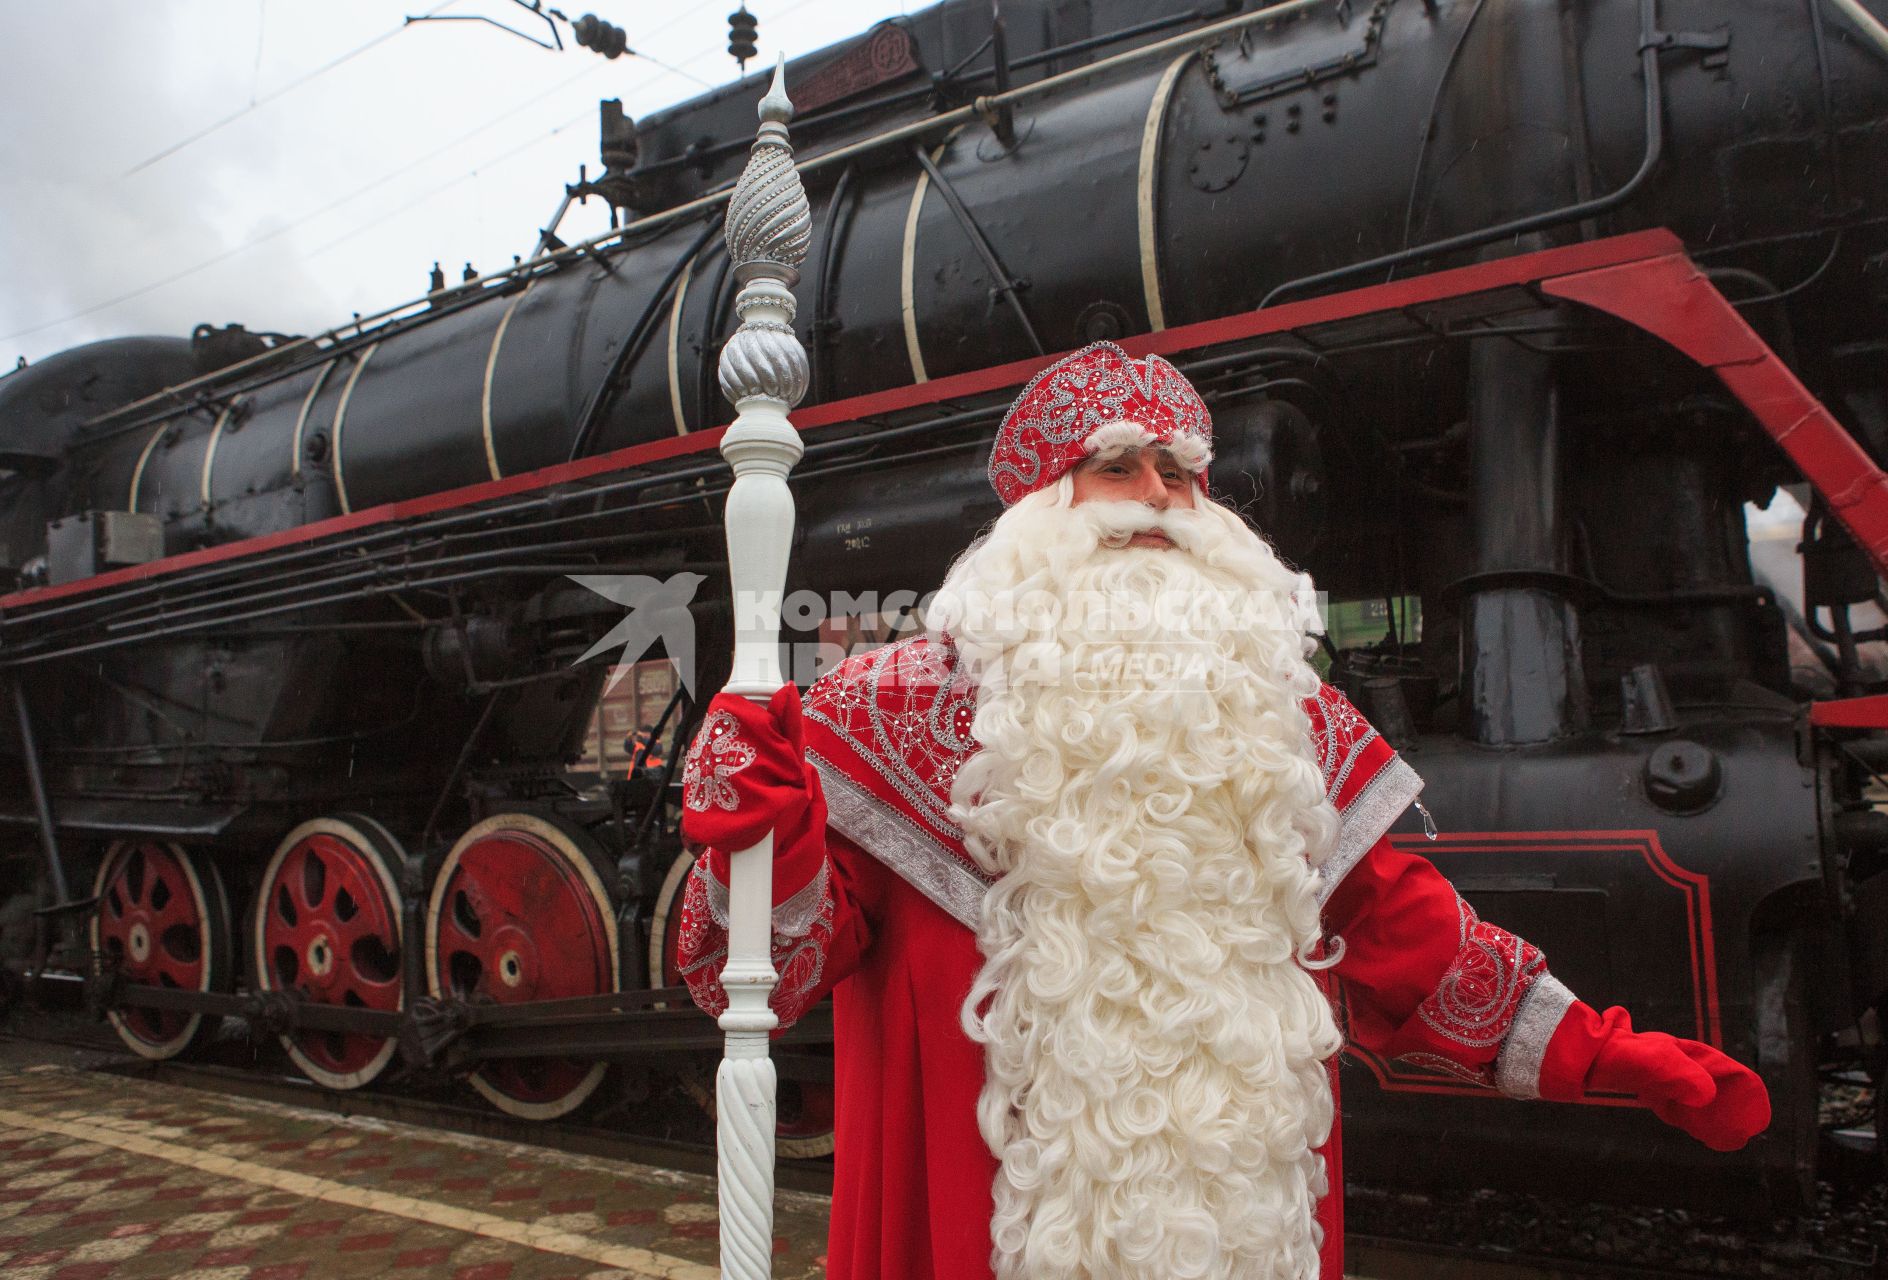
(1098, 398)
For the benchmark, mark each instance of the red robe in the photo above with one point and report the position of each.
(882, 915)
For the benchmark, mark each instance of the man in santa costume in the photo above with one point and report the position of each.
(1094, 869)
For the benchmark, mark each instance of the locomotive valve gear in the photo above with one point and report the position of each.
(1086, 913)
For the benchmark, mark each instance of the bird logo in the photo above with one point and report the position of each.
(658, 610)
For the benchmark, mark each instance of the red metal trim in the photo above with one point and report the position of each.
(1851, 713)
(1670, 298)
(1579, 261)
(1701, 940)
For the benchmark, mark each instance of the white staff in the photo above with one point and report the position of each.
(763, 372)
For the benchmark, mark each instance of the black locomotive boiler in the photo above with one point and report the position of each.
(1505, 311)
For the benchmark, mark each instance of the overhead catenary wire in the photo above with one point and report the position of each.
(267, 98)
(439, 189)
(650, 222)
(277, 232)
(304, 219)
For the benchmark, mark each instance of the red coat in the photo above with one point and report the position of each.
(880, 913)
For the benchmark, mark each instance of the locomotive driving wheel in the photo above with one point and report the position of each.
(518, 913)
(161, 920)
(327, 926)
(804, 1108)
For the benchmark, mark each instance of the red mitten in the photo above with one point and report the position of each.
(746, 773)
(1688, 1085)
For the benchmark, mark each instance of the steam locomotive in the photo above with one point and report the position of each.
(1505, 311)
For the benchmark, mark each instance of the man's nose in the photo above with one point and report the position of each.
(1152, 489)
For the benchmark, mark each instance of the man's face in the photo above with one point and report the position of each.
(1149, 476)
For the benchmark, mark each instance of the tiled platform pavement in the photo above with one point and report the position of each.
(102, 1176)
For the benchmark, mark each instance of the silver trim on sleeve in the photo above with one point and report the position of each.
(1518, 1065)
(795, 917)
(1377, 806)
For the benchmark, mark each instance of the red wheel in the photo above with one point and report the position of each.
(327, 925)
(804, 1116)
(518, 913)
(162, 921)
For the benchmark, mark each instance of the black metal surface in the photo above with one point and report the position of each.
(36, 785)
(1521, 671)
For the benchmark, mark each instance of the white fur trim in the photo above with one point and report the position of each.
(1190, 452)
(1117, 437)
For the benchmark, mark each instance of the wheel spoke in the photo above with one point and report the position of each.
(522, 916)
(333, 881)
(185, 973)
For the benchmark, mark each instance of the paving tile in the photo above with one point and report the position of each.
(358, 1244)
(84, 1271)
(428, 1257)
(127, 1215)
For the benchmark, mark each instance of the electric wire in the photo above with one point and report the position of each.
(285, 228)
(276, 232)
(267, 98)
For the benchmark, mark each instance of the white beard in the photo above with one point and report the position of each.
(1155, 1080)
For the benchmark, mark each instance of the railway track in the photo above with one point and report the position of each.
(1394, 1236)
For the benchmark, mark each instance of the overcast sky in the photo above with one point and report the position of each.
(443, 140)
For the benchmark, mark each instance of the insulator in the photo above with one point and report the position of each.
(743, 35)
(606, 38)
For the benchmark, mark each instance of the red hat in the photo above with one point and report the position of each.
(1063, 416)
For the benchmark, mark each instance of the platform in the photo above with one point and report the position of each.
(105, 1176)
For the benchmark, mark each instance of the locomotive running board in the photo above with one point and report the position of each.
(1644, 278)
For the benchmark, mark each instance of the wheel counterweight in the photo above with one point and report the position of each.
(162, 920)
(327, 926)
(519, 913)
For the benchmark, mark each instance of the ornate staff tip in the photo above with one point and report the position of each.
(775, 107)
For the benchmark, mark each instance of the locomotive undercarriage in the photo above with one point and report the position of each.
(1615, 655)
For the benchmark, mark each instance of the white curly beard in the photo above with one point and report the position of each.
(1155, 1079)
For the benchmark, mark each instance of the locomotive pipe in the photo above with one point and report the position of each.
(1650, 43)
(42, 809)
(1004, 282)
(1870, 25)
(632, 348)
(824, 322)
(890, 100)
(1521, 671)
